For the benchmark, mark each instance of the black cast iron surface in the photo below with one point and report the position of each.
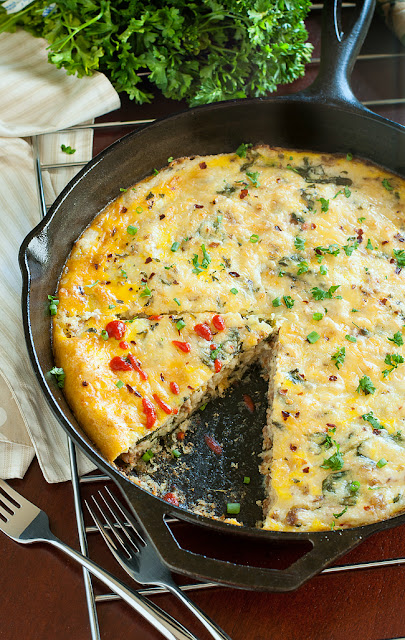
(327, 117)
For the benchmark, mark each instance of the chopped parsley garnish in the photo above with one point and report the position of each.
(349, 248)
(303, 267)
(93, 284)
(392, 360)
(348, 193)
(349, 157)
(339, 515)
(123, 190)
(288, 301)
(155, 171)
(175, 246)
(361, 219)
(320, 294)
(233, 508)
(365, 385)
(196, 269)
(332, 250)
(399, 255)
(369, 417)
(131, 230)
(170, 159)
(180, 324)
(242, 149)
(111, 306)
(146, 293)
(177, 301)
(254, 238)
(369, 245)
(350, 338)
(104, 334)
(339, 357)
(317, 316)
(324, 204)
(254, 178)
(67, 149)
(323, 270)
(313, 337)
(396, 338)
(299, 243)
(386, 185)
(234, 291)
(119, 384)
(206, 258)
(276, 302)
(53, 305)
(124, 273)
(381, 463)
(336, 461)
(59, 375)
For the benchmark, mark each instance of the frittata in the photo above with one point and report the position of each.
(290, 258)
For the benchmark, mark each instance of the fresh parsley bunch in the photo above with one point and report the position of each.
(202, 51)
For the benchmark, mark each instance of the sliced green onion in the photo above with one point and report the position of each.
(177, 301)
(349, 157)
(104, 334)
(170, 159)
(148, 455)
(203, 407)
(254, 238)
(175, 246)
(139, 209)
(176, 453)
(233, 508)
(122, 189)
(350, 338)
(180, 324)
(131, 230)
(381, 463)
(317, 316)
(146, 292)
(246, 480)
(354, 486)
(234, 291)
(313, 337)
(111, 306)
(276, 302)
(119, 384)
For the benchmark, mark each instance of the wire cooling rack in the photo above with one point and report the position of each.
(93, 600)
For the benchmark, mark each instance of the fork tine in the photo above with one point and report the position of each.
(114, 531)
(135, 543)
(107, 538)
(129, 518)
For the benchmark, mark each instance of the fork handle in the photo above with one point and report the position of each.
(216, 632)
(162, 621)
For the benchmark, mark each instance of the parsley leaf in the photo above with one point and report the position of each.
(399, 255)
(332, 250)
(303, 267)
(60, 375)
(339, 357)
(67, 149)
(320, 294)
(254, 178)
(299, 243)
(288, 301)
(349, 248)
(242, 149)
(336, 461)
(396, 338)
(369, 417)
(324, 204)
(386, 185)
(392, 360)
(365, 385)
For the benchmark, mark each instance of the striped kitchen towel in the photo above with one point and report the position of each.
(35, 98)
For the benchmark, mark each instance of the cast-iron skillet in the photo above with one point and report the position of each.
(325, 117)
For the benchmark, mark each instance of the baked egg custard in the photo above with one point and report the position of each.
(288, 258)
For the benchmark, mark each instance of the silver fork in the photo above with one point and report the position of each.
(23, 522)
(139, 559)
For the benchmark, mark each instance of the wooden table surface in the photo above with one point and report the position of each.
(42, 592)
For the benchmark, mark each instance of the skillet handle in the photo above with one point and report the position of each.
(327, 547)
(339, 52)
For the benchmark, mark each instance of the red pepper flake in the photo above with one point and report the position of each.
(123, 210)
(313, 225)
(148, 260)
(385, 242)
(305, 470)
(183, 346)
(213, 347)
(219, 323)
(162, 216)
(135, 364)
(331, 425)
(124, 344)
(198, 206)
(116, 329)
(249, 402)
(85, 384)
(171, 498)
(174, 388)
(383, 301)
(119, 364)
(150, 413)
(234, 274)
(203, 165)
(213, 445)
(285, 414)
(243, 194)
(332, 378)
(162, 404)
(133, 342)
(293, 447)
(203, 331)
(217, 365)
(180, 435)
(367, 508)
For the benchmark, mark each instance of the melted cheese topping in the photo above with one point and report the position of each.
(310, 243)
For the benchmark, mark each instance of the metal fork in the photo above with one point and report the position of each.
(130, 548)
(23, 522)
